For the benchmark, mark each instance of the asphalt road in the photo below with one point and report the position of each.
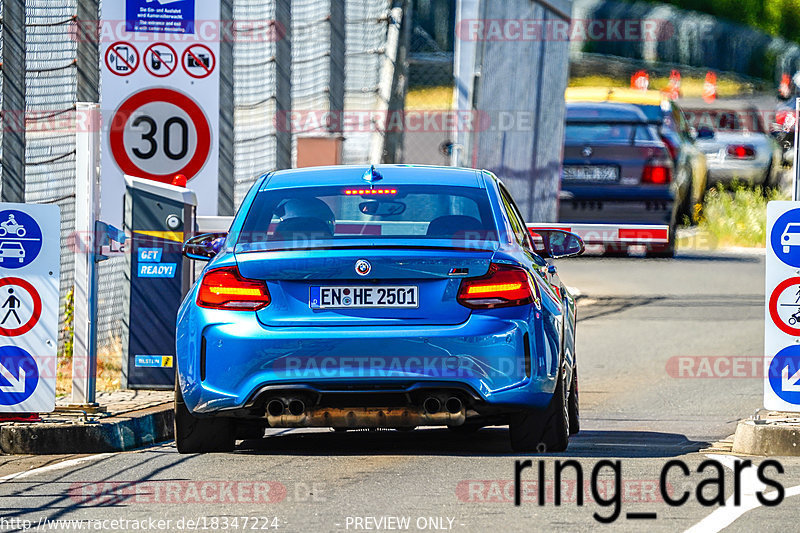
(636, 318)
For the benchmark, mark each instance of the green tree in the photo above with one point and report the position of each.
(779, 18)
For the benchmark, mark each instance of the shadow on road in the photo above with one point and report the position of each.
(487, 442)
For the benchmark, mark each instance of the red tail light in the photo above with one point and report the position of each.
(502, 286)
(672, 148)
(657, 174)
(225, 288)
(743, 151)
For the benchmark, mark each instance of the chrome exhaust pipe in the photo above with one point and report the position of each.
(275, 408)
(432, 405)
(296, 407)
(453, 405)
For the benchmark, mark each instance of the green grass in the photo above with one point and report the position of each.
(735, 216)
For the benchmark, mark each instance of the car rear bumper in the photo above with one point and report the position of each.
(589, 205)
(753, 173)
(227, 359)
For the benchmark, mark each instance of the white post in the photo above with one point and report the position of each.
(87, 210)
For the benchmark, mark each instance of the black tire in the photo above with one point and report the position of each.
(686, 207)
(574, 406)
(767, 183)
(249, 430)
(665, 251)
(543, 431)
(201, 435)
(615, 250)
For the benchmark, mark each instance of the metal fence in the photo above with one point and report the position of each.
(61, 67)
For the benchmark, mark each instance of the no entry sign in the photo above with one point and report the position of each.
(160, 99)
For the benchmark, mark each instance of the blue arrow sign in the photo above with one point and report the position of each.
(19, 375)
(784, 374)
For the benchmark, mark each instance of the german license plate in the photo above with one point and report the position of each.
(379, 297)
(591, 173)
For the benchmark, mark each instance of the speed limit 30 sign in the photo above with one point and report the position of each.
(159, 133)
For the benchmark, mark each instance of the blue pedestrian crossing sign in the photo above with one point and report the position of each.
(30, 260)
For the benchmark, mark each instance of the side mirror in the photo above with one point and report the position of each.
(704, 132)
(556, 243)
(204, 247)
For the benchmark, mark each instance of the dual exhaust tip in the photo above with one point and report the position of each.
(294, 407)
(433, 405)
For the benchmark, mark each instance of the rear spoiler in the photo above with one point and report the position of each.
(594, 234)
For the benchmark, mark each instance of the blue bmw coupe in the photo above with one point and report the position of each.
(391, 297)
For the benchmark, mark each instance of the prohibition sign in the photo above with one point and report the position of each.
(37, 307)
(199, 61)
(773, 307)
(117, 60)
(128, 109)
(157, 59)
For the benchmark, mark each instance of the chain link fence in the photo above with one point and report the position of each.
(261, 88)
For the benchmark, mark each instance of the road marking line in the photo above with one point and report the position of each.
(57, 466)
(725, 516)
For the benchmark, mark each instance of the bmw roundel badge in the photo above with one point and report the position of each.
(363, 267)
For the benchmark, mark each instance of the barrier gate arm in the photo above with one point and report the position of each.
(595, 234)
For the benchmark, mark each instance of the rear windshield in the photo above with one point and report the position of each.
(583, 133)
(654, 113)
(321, 217)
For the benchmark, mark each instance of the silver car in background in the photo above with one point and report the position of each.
(738, 147)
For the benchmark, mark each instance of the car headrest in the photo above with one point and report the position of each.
(302, 229)
(450, 226)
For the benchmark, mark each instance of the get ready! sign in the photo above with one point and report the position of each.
(160, 97)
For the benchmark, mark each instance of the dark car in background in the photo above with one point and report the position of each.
(617, 170)
(690, 173)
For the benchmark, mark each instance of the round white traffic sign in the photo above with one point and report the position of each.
(158, 133)
(20, 307)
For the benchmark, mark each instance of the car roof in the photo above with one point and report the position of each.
(615, 94)
(392, 175)
(605, 112)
